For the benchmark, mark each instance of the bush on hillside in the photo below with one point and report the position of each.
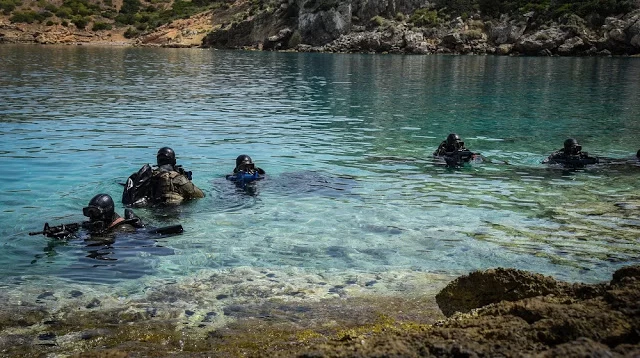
(97, 26)
(27, 17)
(425, 17)
(80, 21)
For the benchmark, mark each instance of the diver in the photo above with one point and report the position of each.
(167, 184)
(453, 151)
(571, 156)
(245, 171)
(103, 219)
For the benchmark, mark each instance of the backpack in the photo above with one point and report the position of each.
(166, 186)
(138, 190)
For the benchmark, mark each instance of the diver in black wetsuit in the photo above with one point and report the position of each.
(245, 174)
(571, 156)
(104, 220)
(453, 151)
(245, 164)
(167, 184)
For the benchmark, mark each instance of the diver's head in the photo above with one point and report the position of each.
(166, 155)
(571, 147)
(638, 154)
(243, 159)
(454, 141)
(100, 209)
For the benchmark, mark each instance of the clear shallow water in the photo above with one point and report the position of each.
(346, 141)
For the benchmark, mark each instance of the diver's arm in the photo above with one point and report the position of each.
(191, 191)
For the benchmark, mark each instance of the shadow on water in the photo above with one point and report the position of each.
(106, 259)
(228, 196)
(231, 196)
(311, 183)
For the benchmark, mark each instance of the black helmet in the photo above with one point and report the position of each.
(166, 155)
(243, 159)
(100, 208)
(571, 146)
(638, 154)
(453, 139)
(454, 142)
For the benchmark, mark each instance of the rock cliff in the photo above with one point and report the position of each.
(371, 26)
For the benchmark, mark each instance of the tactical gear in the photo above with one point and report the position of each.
(138, 189)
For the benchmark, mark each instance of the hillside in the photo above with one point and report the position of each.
(541, 27)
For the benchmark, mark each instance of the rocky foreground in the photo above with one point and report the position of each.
(509, 313)
(494, 313)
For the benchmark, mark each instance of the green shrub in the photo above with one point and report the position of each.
(130, 7)
(378, 21)
(400, 17)
(295, 39)
(7, 6)
(64, 23)
(24, 17)
(131, 33)
(50, 23)
(425, 17)
(80, 21)
(97, 26)
(64, 13)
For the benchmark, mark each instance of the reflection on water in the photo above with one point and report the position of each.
(346, 141)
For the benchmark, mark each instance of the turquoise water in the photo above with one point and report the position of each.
(346, 140)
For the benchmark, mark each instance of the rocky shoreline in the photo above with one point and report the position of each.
(321, 30)
(497, 312)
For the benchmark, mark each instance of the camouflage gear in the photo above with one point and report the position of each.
(173, 187)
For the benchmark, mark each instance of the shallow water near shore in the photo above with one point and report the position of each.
(353, 203)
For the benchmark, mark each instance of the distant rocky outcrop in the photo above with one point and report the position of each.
(334, 26)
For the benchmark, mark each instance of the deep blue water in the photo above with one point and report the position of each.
(346, 141)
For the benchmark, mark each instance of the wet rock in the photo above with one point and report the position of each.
(46, 295)
(93, 303)
(482, 288)
(75, 293)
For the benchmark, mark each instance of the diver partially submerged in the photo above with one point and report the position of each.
(454, 153)
(571, 156)
(104, 222)
(245, 171)
(167, 184)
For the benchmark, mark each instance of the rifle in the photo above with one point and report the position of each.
(457, 158)
(188, 174)
(60, 232)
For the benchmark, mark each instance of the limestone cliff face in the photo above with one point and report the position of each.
(346, 26)
(311, 22)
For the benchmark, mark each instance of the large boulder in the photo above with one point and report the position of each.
(322, 21)
(542, 41)
(485, 287)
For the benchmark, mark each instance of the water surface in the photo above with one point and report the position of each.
(346, 140)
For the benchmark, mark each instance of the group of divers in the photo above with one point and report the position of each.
(167, 183)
